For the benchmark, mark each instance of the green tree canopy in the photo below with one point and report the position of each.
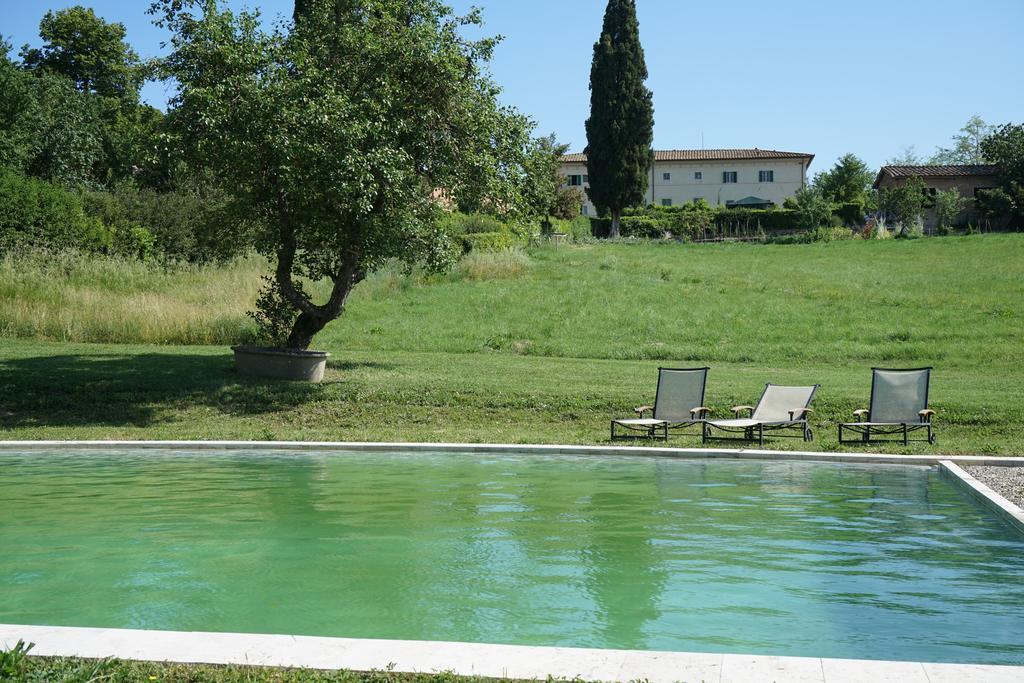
(91, 52)
(620, 130)
(338, 135)
(849, 180)
(966, 147)
(544, 176)
(1005, 148)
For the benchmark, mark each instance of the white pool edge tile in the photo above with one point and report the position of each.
(474, 659)
(419, 447)
(1004, 509)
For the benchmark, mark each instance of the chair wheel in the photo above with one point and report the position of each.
(932, 439)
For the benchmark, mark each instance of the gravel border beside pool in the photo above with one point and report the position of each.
(1006, 481)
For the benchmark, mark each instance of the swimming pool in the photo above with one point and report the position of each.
(627, 552)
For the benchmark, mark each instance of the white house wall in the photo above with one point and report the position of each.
(682, 185)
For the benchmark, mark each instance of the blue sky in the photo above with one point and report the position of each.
(825, 77)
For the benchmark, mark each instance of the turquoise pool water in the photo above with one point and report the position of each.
(808, 559)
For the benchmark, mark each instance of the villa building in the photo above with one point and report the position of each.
(758, 178)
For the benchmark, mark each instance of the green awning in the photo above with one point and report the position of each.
(750, 201)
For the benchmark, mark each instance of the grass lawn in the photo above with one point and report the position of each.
(68, 670)
(543, 349)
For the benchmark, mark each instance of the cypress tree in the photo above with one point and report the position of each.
(620, 130)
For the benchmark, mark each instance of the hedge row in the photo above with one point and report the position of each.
(180, 226)
(657, 222)
(35, 213)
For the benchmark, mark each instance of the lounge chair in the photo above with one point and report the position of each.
(679, 403)
(780, 408)
(899, 406)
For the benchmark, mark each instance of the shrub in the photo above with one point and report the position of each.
(35, 213)
(948, 205)
(813, 210)
(904, 204)
(600, 227)
(579, 228)
(831, 234)
(135, 241)
(750, 220)
(474, 223)
(850, 213)
(644, 227)
(488, 241)
(187, 225)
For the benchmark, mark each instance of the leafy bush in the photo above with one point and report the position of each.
(473, 223)
(850, 213)
(600, 227)
(904, 204)
(488, 241)
(186, 225)
(644, 227)
(831, 234)
(813, 209)
(750, 220)
(948, 205)
(35, 213)
(579, 228)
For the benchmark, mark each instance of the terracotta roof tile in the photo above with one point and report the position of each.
(958, 171)
(708, 155)
(944, 171)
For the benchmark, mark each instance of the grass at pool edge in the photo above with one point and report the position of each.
(35, 669)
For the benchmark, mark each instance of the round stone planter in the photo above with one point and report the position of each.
(300, 366)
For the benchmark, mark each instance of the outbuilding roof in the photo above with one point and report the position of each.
(708, 155)
(949, 171)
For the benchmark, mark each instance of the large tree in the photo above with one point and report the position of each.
(966, 147)
(91, 52)
(620, 130)
(1004, 147)
(338, 135)
(848, 181)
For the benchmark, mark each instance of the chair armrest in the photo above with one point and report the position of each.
(739, 409)
(926, 415)
(698, 413)
(642, 409)
(861, 413)
(802, 412)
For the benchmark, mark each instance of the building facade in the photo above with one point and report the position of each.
(758, 178)
(968, 179)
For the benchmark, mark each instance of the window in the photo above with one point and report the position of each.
(586, 179)
(666, 202)
(766, 176)
(584, 210)
(729, 177)
(575, 180)
(698, 175)
(666, 176)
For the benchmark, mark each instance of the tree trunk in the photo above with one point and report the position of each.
(616, 216)
(305, 328)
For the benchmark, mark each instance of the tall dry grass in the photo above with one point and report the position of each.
(81, 298)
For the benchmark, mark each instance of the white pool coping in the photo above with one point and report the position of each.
(1000, 506)
(473, 659)
(498, 449)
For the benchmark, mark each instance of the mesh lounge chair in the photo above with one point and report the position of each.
(899, 405)
(679, 403)
(779, 408)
